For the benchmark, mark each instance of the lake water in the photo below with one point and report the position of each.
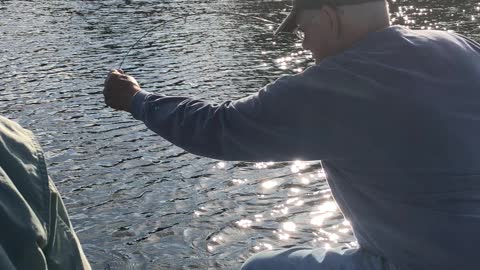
(136, 201)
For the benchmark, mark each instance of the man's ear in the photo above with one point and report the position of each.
(333, 19)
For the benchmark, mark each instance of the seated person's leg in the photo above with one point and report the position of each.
(35, 231)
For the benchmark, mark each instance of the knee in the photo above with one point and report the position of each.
(259, 261)
(251, 264)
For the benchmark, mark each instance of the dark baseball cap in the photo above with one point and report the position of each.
(289, 24)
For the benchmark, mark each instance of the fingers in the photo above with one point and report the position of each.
(113, 73)
(117, 71)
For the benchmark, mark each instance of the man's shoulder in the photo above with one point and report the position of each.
(398, 49)
(318, 76)
(400, 39)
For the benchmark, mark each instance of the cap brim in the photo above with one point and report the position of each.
(288, 25)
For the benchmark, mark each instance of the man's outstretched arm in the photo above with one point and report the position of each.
(280, 122)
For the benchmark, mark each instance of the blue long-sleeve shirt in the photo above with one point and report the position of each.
(394, 119)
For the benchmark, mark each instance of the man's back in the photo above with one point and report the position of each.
(411, 186)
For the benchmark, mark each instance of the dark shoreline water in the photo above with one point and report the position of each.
(132, 196)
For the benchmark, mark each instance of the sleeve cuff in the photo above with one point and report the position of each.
(138, 103)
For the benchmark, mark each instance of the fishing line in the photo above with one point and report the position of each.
(185, 19)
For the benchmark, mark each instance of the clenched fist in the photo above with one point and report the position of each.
(119, 90)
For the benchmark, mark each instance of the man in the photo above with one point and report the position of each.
(35, 231)
(392, 113)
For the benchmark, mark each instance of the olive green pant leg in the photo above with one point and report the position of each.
(64, 250)
(35, 231)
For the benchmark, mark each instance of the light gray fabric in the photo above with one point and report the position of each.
(35, 231)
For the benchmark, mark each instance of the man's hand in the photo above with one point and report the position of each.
(119, 90)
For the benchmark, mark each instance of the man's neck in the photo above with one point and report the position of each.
(356, 24)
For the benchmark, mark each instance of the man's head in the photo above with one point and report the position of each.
(331, 26)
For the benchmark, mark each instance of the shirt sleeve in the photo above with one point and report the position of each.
(286, 120)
